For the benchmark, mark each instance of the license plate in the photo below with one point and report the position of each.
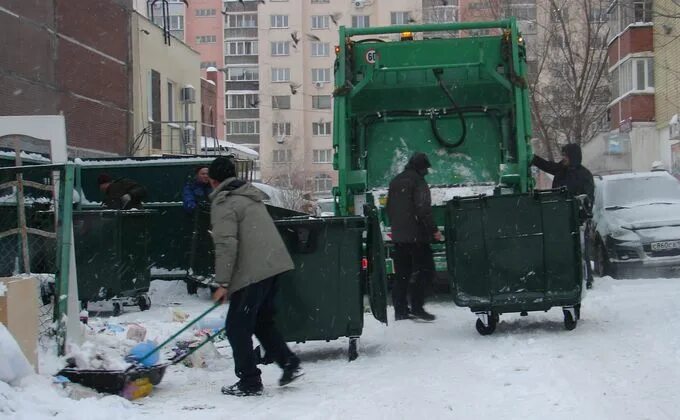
(662, 246)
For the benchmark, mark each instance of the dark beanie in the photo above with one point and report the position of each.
(222, 168)
(103, 179)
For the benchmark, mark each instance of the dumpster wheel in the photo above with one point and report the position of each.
(486, 322)
(144, 302)
(117, 308)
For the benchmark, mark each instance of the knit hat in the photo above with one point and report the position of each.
(222, 168)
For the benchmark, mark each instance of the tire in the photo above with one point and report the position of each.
(144, 302)
(602, 265)
(487, 330)
(117, 308)
(569, 321)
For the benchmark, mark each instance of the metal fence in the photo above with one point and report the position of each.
(35, 216)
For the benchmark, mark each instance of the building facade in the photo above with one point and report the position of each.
(296, 56)
(667, 80)
(60, 53)
(166, 82)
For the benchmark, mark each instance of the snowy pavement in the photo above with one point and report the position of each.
(621, 362)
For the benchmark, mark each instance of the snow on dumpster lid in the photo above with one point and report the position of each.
(25, 155)
(141, 162)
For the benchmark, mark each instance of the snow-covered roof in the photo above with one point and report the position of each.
(25, 155)
(208, 143)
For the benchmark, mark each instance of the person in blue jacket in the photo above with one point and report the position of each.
(196, 192)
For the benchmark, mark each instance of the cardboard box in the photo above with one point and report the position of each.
(19, 312)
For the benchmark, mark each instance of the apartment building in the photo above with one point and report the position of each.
(296, 57)
(667, 80)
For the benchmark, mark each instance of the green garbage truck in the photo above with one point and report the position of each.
(462, 100)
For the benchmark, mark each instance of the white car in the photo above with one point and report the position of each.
(636, 225)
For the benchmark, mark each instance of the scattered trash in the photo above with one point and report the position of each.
(140, 354)
(179, 315)
(84, 315)
(136, 333)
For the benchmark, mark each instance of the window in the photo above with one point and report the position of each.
(321, 22)
(282, 156)
(243, 127)
(280, 129)
(242, 73)
(361, 21)
(598, 14)
(526, 12)
(206, 39)
(280, 48)
(400, 18)
(322, 183)
(321, 129)
(635, 74)
(241, 48)
(206, 64)
(441, 14)
(642, 11)
(321, 1)
(176, 22)
(280, 75)
(279, 21)
(171, 101)
(281, 102)
(242, 101)
(321, 49)
(321, 75)
(242, 20)
(321, 102)
(206, 12)
(322, 156)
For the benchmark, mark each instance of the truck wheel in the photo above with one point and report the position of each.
(484, 329)
(569, 321)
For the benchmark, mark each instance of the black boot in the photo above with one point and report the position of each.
(241, 389)
(423, 315)
(291, 371)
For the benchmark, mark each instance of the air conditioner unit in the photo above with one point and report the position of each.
(187, 95)
(319, 84)
(359, 3)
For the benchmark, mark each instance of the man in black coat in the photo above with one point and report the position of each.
(409, 208)
(121, 194)
(570, 174)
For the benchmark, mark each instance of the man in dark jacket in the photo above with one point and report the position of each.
(570, 174)
(409, 208)
(121, 194)
(196, 192)
(249, 255)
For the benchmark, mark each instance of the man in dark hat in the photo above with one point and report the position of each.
(249, 255)
(570, 174)
(409, 208)
(122, 193)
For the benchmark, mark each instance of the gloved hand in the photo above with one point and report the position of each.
(124, 200)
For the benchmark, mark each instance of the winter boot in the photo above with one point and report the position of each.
(240, 389)
(291, 371)
(423, 315)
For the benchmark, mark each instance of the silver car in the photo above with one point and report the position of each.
(636, 225)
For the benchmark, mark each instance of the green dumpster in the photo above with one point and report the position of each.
(322, 299)
(515, 253)
(112, 256)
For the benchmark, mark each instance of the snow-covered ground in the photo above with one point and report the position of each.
(621, 362)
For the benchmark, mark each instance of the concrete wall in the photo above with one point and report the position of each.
(598, 156)
(176, 63)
